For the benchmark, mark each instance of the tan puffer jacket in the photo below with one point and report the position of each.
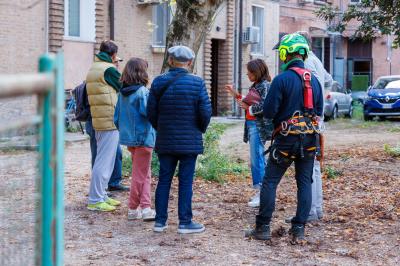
(102, 97)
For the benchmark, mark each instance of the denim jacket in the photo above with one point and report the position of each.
(264, 126)
(130, 117)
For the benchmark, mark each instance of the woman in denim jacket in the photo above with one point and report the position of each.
(257, 129)
(136, 132)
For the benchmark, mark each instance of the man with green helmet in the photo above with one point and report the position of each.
(294, 103)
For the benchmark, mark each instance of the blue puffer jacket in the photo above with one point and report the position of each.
(130, 117)
(182, 113)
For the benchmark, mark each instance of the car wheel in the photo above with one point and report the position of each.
(350, 113)
(367, 117)
(335, 113)
(382, 118)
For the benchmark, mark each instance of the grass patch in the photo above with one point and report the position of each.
(213, 165)
(332, 173)
(126, 163)
(394, 129)
(73, 128)
(392, 151)
(155, 165)
(358, 112)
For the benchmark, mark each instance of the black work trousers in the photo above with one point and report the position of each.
(279, 160)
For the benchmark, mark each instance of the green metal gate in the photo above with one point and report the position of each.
(48, 85)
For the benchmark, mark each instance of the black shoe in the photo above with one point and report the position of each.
(261, 232)
(118, 187)
(297, 233)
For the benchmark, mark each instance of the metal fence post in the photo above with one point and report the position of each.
(46, 64)
(59, 157)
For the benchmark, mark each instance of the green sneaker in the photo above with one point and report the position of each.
(113, 202)
(101, 206)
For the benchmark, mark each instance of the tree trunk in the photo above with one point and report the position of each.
(190, 24)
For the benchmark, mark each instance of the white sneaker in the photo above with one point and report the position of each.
(148, 214)
(134, 214)
(255, 201)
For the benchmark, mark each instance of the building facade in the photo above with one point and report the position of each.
(77, 28)
(352, 62)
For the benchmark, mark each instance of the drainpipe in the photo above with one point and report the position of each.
(112, 13)
(46, 27)
(240, 52)
(389, 52)
(235, 55)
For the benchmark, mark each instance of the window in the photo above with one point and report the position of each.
(161, 20)
(318, 48)
(80, 20)
(258, 21)
(73, 18)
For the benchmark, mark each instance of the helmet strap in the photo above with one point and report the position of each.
(285, 66)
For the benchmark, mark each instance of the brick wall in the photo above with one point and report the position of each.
(225, 57)
(207, 62)
(381, 66)
(132, 33)
(22, 41)
(271, 37)
(102, 32)
(56, 24)
(226, 61)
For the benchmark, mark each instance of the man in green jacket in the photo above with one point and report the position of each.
(102, 84)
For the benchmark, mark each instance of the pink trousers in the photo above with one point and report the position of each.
(141, 177)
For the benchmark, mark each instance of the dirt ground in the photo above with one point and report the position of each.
(361, 225)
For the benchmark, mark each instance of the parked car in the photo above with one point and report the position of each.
(338, 101)
(383, 98)
(359, 96)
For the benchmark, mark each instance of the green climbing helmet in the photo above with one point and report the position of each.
(292, 43)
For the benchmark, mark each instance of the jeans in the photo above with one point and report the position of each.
(256, 154)
(168, 162)
(316, 204)
(116, 175)
(141, 178)
(107, 142)
(276, 168)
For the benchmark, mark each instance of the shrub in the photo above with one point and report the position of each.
(213, 165)
(392, 151)
(332, 173)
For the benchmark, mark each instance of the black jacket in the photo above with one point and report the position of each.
(285, 96)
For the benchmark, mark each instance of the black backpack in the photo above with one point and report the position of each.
(82, 112)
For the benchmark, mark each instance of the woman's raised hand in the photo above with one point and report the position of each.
(229, 88)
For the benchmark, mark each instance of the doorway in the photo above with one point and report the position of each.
(215, 49)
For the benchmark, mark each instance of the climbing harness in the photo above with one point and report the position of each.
(301, 123)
